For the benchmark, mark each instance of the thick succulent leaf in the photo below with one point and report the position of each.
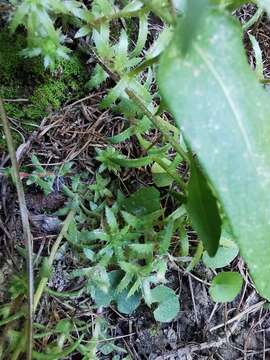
(203, 210)
(224, 115)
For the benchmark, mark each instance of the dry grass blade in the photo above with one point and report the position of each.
(26, 227)
(43, 281)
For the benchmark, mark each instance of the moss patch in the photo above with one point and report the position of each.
(27, 78)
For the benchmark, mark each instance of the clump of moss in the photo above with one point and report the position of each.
(14, 69)
(27, 78)
(57, 89)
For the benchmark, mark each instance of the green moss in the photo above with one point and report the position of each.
(46, 98)
(27, 78)
(50, 95)
(9, 55)
(14, 69)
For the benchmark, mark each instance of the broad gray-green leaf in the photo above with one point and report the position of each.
(203, 210)
(227, 251)
(125, 304)
(225, 286)
(230, 4)
(168, 303)
(265, 4)
(224, 115)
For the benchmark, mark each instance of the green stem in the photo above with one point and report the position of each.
(182, 185)
(16, 316)
(120, 14)
(196, 258)
(26, 227)
(143, 65)
(253, 20)
(158, 123)
(43, 282)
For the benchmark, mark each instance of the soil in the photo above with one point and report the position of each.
(202, 329)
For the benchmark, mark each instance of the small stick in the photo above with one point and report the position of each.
(249, 310)
(15, 100)
(193, 299)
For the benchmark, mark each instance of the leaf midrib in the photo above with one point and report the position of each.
(228, 97)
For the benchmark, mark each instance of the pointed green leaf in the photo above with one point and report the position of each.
(165, 238)
(111, 219)
(202, 209)
(258, 56)
(142, 35)
(224, 115)
(58, 355)
(83, 31)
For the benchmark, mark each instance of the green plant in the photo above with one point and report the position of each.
(130, 242)
(42, 37)
(221, 112)
(225, 286)
(43, 178)
(232, 137)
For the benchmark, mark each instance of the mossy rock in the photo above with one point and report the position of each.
(27, 78)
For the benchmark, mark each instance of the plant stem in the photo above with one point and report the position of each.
(43, 282)
(253, 20)
(26, 227)
(117, 15)
(182, 185)
(196, 258)
(158, 123)
(143, 65)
